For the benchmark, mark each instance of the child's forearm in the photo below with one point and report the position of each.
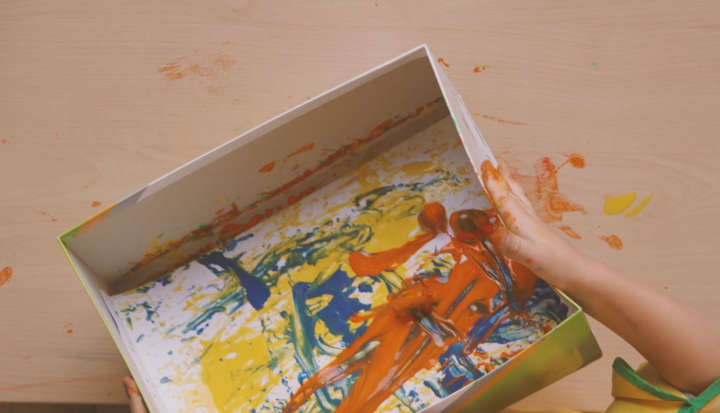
(676, 340)
(683, 347)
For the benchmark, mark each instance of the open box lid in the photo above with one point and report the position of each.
(202, 204)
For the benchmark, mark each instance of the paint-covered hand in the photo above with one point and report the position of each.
(135, 401)
(525, 238)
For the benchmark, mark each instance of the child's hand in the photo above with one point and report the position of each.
(526, 239)
(135, 400)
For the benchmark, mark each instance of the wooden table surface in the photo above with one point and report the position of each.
(87, 115)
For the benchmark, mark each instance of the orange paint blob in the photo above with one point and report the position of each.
(613, 241)
(95, 204)
(578, 161)
(505, 121)
(3, 140)
(569, 232)
(444, 63)
(5, 275)
(69, 331)
(267, 167)
(543, 191)
(478, 69)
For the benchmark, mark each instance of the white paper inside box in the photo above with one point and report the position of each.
(335, 258)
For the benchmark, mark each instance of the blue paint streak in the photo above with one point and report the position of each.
(256, 291)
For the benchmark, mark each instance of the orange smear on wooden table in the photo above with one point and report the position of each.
(543, 190)
(569, 232)
(613, 241)
(95, 204)
(5, 275)
(441, 60)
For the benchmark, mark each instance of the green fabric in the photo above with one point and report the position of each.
(625, 371)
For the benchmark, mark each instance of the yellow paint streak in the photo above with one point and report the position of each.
(220, 373)
(418, 168)
(640, 206)
(617, 204)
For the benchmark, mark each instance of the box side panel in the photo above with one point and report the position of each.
(94, 288)
(570, 346)
(475, 145)
(145, 234)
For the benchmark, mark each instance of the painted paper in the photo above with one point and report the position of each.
(378, 292)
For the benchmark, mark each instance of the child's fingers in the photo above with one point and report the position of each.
(512, 183)
(511, 245)
(494, 183)
(135, 400)
(506, 203)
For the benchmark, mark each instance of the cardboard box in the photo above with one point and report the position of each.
(330, 258)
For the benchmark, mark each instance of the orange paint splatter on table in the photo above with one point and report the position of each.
(501, 120)
(47, 214)
(225, 62)
(95, 204)
(3, 140)
(613, 241)
(543, 191)
(267, 167)
(5, 275)
(574, 159)
(478, 69)
(569, 232)
(444, 63)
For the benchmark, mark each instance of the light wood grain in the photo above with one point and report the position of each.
(86, 116)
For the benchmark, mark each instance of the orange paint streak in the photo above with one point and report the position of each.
(217, 227)
(170, 67)
(5, 275)
(47, 214)
(569, 232)
(95, 204)
(93, 221)
(397, 343)
(267, 167)
(295, 198)
(505, 121)
(200, 70)
(373, 264)
(225, 62)
(543, 191)
(305, 148)
(613, 241)
(444, 63)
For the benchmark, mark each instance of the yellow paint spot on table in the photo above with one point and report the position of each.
(617, 204)
(640, 206)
